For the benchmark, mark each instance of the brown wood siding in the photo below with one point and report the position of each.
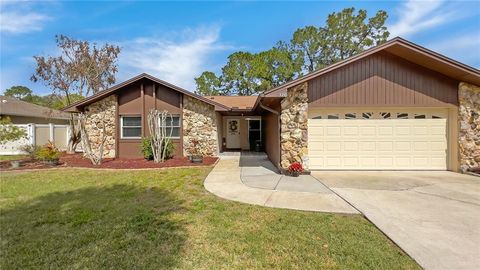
(271, 135)
(382, 79)
(132, 102)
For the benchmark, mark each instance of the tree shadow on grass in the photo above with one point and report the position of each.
(120, 226)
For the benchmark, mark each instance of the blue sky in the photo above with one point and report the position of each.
(176, 41)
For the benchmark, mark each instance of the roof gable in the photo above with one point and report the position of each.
(404, 49)
(102, 94)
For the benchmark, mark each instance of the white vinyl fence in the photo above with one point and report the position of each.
(38, 134)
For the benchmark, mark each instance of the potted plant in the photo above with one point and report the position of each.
(48, 154)
(195, 154)
(295, 169)
(15, 163)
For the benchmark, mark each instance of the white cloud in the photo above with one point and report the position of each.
(19, 19)
(13, 22)
(415, 16)
(176, 57)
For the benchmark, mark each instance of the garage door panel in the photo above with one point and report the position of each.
(367, 146)
(316, 146)
(334, 131)
(350, 131)
(420, 130)
(385, 162)
(368, 131)
(319, 130)
(436, 130)
(333, 146)
(421, 161)
(420, 146)
(403, 162)
(403, 146)
(350, 162)
(367, 161)
(374, 143)
(318, 161)
(384, 146)
(403, 131)
(350, 146)
(438, 162)
(335, 162)
(385, 131)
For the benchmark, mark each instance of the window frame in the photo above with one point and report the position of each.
(179, 126)
(121, 127)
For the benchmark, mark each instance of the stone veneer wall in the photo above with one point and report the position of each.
(469, 122)
(199, 122)
(102, 108)
(294, 127)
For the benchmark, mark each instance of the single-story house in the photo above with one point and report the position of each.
(41, 124)
(396, 106)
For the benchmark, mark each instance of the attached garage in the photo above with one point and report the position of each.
(396, 106)
(378, 139)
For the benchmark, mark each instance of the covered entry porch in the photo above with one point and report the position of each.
(250, 125)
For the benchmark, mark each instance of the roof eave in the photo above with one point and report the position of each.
(36, 116)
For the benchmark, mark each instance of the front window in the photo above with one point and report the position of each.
(172, 125)
(131, 127)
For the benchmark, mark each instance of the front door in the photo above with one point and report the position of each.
(233, 133)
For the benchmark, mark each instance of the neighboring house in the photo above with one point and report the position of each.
(397, 106)
(41, 124)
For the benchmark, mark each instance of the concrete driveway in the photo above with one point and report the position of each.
(433, 216)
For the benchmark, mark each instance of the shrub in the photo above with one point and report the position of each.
(48, 152)
(31, 150)
(9, 132)
(147, 149)
(170, 150)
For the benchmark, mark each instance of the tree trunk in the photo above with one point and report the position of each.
(157, 124)
(74, 136)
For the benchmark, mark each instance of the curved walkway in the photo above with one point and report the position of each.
(251, 178)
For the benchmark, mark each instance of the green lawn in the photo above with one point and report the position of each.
(12, 157)
(155, 219)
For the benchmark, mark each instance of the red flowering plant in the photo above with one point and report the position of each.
(295, 168)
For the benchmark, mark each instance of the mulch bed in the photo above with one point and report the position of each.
(77, 160)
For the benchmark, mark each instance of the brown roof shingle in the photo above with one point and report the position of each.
(13, 106)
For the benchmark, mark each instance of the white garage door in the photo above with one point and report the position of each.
(349, 139)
